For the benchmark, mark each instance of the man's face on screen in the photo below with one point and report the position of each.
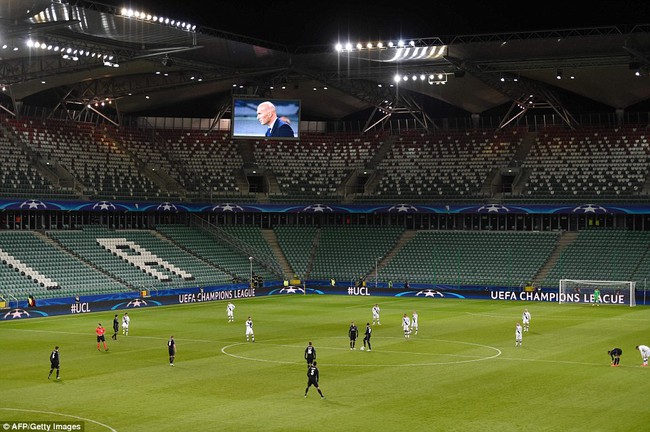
(264, 114)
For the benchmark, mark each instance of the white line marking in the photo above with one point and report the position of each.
(472, 358)
(552, 318)
(123, 337)
(62, 415)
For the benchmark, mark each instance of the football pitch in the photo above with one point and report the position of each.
(461, 372)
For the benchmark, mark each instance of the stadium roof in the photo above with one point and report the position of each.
(496, 60)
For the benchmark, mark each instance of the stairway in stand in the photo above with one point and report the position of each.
(272, 240)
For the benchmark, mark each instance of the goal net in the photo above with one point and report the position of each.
(597, 292)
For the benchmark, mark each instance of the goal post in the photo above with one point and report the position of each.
(584, 291)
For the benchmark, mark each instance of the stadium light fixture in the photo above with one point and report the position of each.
(379, 45)
(637, 68)
(439, 79)
(156, 19)
(71, 52)
(432, 78)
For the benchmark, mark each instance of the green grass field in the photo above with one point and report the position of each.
(460, 373)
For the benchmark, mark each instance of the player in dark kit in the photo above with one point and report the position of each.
(171, 348)
(353, 332)
(310, 354)
(54, 363)
(615, 353)
(366, 338)
(116, 328)
(312, 379)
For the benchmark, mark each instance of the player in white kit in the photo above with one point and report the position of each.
(249, 330)
(406, 326)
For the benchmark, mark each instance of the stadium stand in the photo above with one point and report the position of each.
(444, 165)
(69, 274)
(64, 159)
(471, 258)
(315, 167)
(297, 244)
(605, 163)
(350, 252)
(19, 177)
(98, 163)
(84, 243)
(206, 163)
(103, 161)
(603, 254)
(211, 249)
(69, 262)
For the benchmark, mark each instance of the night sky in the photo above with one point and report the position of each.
(310, 22)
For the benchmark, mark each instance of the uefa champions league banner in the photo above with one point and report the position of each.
(134, 300)
(441, 291)
(622, 298)
(29, 203)
(128, 301)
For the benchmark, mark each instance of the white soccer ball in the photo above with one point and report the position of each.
(363, 348)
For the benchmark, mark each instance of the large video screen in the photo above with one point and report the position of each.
(265, 118)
